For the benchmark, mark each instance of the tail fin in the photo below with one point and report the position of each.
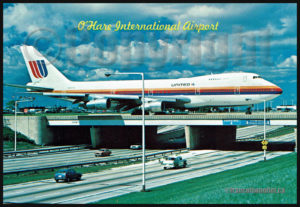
(41, 71)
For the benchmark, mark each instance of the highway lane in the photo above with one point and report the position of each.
(84, 155)
(118, 181)
(252, 131)
(284, 138)
(79, 156)
(169, 132)
(241, 132)
(168, 129)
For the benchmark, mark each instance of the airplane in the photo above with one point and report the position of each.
(215, 90)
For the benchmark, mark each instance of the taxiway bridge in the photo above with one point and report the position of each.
(205, 130)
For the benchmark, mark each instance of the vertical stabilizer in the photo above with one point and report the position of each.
(41, 71)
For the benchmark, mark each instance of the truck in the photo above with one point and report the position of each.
(173, 161)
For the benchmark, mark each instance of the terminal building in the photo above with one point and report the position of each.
(286, 108)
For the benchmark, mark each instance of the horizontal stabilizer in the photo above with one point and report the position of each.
(35, 88)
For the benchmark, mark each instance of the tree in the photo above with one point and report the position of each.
(268, 109)
(10, 105)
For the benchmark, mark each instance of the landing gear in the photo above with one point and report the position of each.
(160, 113)
(249, 110)
(139, 112)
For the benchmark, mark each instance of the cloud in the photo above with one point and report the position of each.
(290, 62)
(30, 17)
(171, 74)
(284, 41)
(185, 12)
(90, 55)
(286, 25)
(92, 74)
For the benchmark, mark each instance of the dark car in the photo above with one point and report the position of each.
(67, 175)
(102, 152)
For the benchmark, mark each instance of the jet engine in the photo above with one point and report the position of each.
(99, 104)
(154, 106)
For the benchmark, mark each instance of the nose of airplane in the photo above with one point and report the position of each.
(279, 90)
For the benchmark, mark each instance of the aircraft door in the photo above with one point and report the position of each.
(150, 92)
(197, 91)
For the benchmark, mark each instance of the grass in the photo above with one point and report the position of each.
(280, 132)
(279, 173)
(9, 146)
(23, 142)
(47, 174)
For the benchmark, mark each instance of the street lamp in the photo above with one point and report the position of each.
(264, 128)
(16, 105)
(143, 118)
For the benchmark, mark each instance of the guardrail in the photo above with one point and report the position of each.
(94, 162)
(39, 150)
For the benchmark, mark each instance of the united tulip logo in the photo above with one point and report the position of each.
(38, 68)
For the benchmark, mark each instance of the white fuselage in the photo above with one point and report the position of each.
(227, 89)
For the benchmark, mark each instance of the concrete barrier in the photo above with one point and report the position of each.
(34, 127)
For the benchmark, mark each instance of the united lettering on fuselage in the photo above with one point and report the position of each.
(182, 84)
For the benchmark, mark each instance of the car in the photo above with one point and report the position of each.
(135, 146)
(67, 175)
(173, 161)
(102, 152)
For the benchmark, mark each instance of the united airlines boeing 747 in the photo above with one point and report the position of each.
(223, 90)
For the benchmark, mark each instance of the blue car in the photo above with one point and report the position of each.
(67, 175)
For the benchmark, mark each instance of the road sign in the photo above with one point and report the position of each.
(264, 142)
(264, 147)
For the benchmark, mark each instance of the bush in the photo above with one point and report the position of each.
(9, 135)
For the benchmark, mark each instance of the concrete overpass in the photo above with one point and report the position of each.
(117, 130)
(215, 119)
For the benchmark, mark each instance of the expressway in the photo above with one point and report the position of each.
(61, 158)
(283, 138)
(177, 132)
(252, 131)
(123, 180)
(84, 155)
(246, 132)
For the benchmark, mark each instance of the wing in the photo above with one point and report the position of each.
(120, 102)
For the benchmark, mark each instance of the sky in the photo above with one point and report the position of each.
(258, 38)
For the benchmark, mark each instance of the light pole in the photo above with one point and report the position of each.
(264, 128)
(16, 105)
(143, 119)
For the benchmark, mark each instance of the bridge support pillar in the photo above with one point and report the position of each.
(95, 136)
(192, 134)
(209, 137)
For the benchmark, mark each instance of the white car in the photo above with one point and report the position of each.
(174, 161)
(136, 147)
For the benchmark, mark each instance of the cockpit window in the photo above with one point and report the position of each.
(254, 77)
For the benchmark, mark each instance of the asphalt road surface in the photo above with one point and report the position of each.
(123, 180)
